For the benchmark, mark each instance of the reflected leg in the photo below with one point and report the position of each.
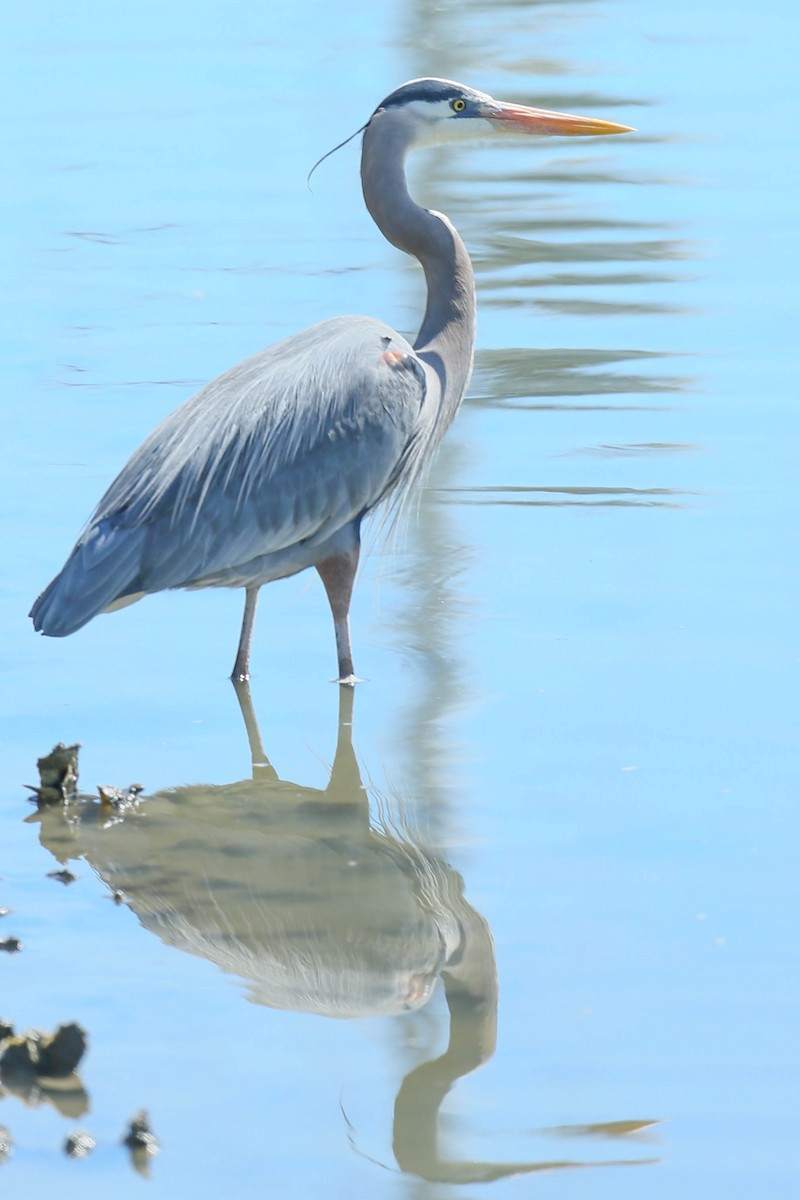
(262, 767)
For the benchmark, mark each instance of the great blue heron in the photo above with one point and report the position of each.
(272, 467)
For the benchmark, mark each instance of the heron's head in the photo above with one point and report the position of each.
(428, 111)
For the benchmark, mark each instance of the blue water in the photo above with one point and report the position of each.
(581, 654)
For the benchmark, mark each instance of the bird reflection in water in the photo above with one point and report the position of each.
(318, 907)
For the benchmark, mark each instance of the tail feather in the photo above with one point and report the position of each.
(102, 570)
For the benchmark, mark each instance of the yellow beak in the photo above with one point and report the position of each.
(517, 118)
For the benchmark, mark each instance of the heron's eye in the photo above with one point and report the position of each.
(458, 105)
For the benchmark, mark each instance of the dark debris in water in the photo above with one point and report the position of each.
(120, 799)
(139, 1134)
(79, 1143)
(39, 1067)
(65, 876)
(35, 1054)
(58, 785)
(141, 1141)
(58, 775)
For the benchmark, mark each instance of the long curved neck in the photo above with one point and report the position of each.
(446, 338)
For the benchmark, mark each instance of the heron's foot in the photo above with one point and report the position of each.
(348, 680)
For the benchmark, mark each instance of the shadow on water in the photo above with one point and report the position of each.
(319, 906)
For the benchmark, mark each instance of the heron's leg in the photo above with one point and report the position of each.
(241, 668)
(337, 574)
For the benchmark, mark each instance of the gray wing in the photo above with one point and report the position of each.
(285, 448)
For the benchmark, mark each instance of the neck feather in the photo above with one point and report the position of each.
(446, 337)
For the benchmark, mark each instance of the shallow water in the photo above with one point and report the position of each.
(551, 884)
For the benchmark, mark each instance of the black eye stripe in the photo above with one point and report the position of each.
(422, 89)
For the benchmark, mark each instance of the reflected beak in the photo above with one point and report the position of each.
(517, 118)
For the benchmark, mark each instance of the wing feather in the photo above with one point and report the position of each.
(282, 450)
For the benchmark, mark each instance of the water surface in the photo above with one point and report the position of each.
(533, 906)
